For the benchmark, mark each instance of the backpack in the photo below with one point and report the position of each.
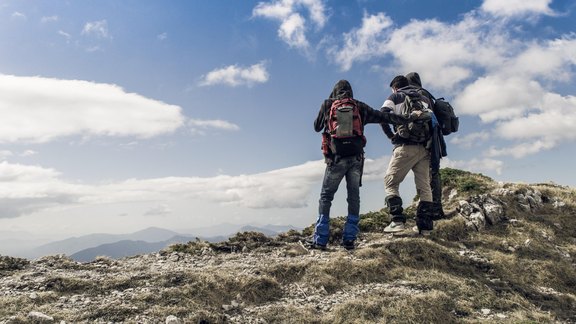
(418, 130)
(444, 112)
(345, 130)
(447, 119)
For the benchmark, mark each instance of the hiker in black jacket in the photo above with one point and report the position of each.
(339, 165)
(437, 151)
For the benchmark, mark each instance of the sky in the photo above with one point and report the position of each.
(118, 115)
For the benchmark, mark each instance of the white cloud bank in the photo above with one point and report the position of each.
(36, 109)
(235, 75)
(27, 189)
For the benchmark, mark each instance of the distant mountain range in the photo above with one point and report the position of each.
(86, 248)
(126, 248)
(75, 244)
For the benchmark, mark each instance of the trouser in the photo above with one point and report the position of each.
(436, 187)
(404, 159)
(351, 169)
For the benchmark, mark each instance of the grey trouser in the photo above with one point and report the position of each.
(404, 159)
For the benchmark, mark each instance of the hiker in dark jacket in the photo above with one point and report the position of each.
(437, 151)
(408, 155)
(338, 167)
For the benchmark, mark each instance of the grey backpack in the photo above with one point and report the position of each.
(419, 129)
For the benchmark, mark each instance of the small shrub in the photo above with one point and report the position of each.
(261, 289)
(374, 221)
(465, 182)
(191, 247)
(8, 263)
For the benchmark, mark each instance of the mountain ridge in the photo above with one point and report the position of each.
(505, 254)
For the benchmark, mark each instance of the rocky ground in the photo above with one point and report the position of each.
(504, 254)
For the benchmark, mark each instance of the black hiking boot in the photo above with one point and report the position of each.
(349, 244)
(424, 214)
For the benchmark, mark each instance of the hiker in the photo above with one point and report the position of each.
(341, 119)
(437, 151)
(411, 152)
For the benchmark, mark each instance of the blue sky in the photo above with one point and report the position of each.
(120, 115)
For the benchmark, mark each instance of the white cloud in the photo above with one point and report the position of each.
(475, 165)
(36, 109)
(159, 210)
(457, 50)
(470, 140)
(28, 153)
(201, 126)
(549, 60)
(508, 97)
(162, 36)
(4, 154)
(18, 15)
(517, 7)
(98, 29)
(293, 25)
(235, 75)
(49, 19)
(26, 189)
(65, 34)
(363, 43)
(522, 149)
(554, 121)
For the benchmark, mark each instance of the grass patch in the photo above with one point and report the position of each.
(466, 182)
(428, 307)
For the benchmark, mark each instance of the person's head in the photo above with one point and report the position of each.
(414, 79)
(399, 82)
(342, 89)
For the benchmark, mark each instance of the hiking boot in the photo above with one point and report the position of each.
(424, 215)
(437, 212)
(315, 246)
(348, 244)
(421, 232)
(394, 227)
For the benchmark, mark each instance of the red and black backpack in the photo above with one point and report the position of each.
(344, 132)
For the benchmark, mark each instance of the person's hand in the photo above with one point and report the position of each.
(397, 119)
(416, 113)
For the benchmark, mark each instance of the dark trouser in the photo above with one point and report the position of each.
(436, 186)
(351, 169)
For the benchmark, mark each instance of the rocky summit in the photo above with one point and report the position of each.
(504, 253)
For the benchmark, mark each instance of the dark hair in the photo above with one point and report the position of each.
(399, 81)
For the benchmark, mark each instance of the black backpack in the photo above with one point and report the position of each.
(444, 112)
(447, 119)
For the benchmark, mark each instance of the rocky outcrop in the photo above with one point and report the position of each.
(491, 208)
